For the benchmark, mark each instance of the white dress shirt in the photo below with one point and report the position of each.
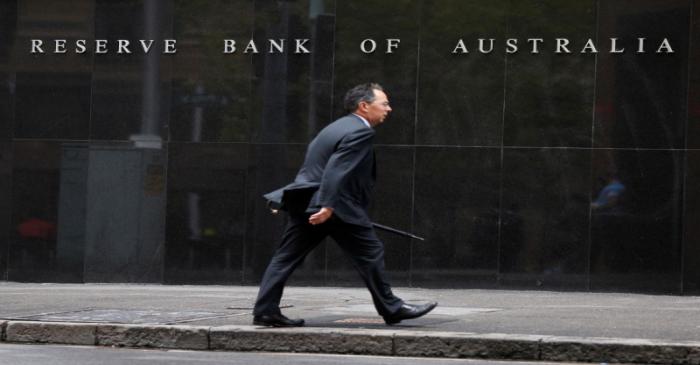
(364, 120)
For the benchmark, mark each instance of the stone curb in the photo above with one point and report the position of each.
(619, 350)
(160, 336)
(463, 345)
(317, 340)
(50, 332)
(357, 341)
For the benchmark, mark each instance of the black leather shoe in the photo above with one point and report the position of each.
(408, 311)
(276, 320)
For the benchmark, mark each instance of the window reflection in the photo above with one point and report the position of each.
(292, 92)
(8, 27)
(35, 187)
(635, 214)
(206, 213)
(6, 202)
(211, 90)
(641, 98)
(58, 83)
(547, 102)
(544, 217)
(691, 234)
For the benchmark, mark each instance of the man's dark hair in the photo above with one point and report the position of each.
(358, 94)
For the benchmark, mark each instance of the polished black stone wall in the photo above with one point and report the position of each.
(522, 170)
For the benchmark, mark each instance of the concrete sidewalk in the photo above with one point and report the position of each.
(523, 325)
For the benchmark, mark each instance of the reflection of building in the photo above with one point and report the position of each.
(121, 201)
(151, 167)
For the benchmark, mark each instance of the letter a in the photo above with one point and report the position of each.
(460, 46)
(589, 47)
(666, 46)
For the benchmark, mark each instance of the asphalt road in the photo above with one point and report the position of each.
(84, 355)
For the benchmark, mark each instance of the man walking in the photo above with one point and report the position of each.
(330, 196)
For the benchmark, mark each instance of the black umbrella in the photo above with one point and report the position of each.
(394, 230)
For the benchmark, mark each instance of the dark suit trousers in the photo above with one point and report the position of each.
(359, 243)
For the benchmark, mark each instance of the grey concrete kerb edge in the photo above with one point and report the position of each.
(50, 332)
(467, 345)
(356, 341)
(619, 350)
(156, 336)
(3, 324)
(316, 340)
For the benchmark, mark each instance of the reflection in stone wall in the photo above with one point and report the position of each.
(521, 169)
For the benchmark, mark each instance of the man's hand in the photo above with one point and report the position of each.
(321, 216)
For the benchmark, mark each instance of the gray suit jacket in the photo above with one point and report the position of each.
(338, 172)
